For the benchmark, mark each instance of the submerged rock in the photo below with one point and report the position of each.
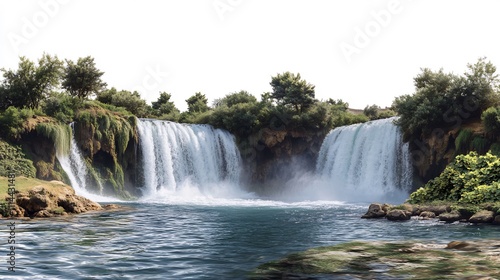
(483, 216)
(375, 210)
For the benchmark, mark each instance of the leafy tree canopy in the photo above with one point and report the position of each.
(164, 107)
(30, 83)
(197, 103)
(82, 79)
(290, 90)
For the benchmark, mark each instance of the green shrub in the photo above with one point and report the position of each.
(469, 178)
(61, 106)
(12, 122)
(491, 120)
(480, 144)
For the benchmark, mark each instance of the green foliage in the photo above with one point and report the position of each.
(30, 83)
(131, 101)
(12, 122)
(12, 159)
(491, 120)
(165, 109)
(60, 106)
(83, 78)
(197, 103)
(479, 144)
(60, 135)
(469, 178)
(290, 90)
(462, 142)
(495, 149)
(372, 111)
(441, 99)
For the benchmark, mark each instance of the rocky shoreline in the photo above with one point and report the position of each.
(446, 212)
(44, 199)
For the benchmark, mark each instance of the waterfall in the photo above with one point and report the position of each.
(366, 161)
(187, 160)
(73, 163)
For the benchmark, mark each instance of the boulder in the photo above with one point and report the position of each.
(436, 209)
(426, 215)
(452, 216)
(483, 216)
(496, 221)
(398, 215)
(375, 210)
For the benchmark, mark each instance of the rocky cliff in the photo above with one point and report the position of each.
(275, 156)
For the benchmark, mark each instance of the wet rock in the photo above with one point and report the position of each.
(436, 209)
(483, 216)
(375, 210)
(398, 215)
(426, 215)
(452, 216)
(43, 214)
(496, 221)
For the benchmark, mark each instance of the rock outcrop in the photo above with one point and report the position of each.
(48, 200)
(445, 213)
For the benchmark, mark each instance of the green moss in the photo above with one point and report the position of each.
(60, 134)
(462, 142)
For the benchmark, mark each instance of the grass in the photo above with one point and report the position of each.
(23, 184)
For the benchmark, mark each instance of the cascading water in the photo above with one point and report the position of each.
(366, 161)
(73, 163)
(188, 160)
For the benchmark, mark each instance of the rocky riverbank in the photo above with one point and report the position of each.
(471, 260)
(445, 211)
(41, 199)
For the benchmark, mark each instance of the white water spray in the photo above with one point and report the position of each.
(186, 161)
(366, 162)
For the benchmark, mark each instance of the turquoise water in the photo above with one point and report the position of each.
(207, 241)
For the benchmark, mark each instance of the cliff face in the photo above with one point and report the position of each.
(108, 141)
(275, 156)
(433, 152)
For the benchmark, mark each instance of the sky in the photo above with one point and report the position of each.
(361, 51)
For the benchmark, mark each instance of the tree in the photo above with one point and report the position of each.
(163, 106)
(131, 101)
(197, 103)
(30, 83)
(371, 111)
(290, 90)
(83, 78)
(235, 98)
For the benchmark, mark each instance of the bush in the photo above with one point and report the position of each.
(12, 122)
(469, 178)
(61, 106)
(491, 120)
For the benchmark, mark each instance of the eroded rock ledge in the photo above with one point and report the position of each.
(447, 212)
(48, 199)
